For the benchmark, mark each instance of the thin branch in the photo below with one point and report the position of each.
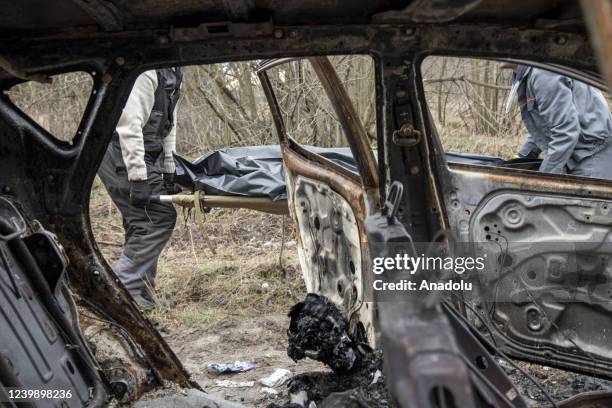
(468, 80)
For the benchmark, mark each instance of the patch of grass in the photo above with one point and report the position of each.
(190, 314)
(231, 287)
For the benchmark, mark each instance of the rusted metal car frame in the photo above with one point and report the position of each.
(51, 180)
(353, 193)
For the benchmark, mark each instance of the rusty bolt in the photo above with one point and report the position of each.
(120, 60)
(279, 33)
(107, 78)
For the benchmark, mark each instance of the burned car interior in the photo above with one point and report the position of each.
(405, 178)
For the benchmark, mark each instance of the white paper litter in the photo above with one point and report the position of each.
(377, 375)
(234, 384)
(269, 391)
(277, 378)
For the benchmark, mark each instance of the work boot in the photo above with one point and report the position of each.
(166, 304)
(148, 295)
(143, 303)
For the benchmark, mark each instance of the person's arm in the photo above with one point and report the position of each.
(555, 104)
(170, 145)
(133, 118)
(529, 149)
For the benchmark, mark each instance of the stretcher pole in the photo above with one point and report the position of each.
(263, 204)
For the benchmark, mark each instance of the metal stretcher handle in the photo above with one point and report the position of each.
(263, 204)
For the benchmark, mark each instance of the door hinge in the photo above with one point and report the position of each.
(406, 136)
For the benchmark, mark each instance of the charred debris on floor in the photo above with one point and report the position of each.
(319, 330)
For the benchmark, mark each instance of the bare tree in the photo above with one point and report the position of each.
(223, 105)
(466, 97)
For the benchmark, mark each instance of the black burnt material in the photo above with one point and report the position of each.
(362, 387)
(319, 330)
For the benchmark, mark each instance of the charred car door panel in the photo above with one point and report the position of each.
(329, 228)
(546, 290)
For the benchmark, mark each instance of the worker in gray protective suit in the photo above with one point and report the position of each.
(139, 163)
(567, 120)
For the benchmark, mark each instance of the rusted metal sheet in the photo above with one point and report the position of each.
(105, 14)
(426, 11)
(422, 362)
(225, 30)
(348, 117)
(128, 376)
(550, 183)
(360, 192)
(598, 17)
(349, 189)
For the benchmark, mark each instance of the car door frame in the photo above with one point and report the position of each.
(361, 192)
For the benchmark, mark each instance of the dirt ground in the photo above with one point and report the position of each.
(261, 340)
(559, 384)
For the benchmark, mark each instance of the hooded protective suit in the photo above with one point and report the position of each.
(567, 120)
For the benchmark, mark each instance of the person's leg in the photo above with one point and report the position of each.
(114, 178)
(598, 165)
(146, 230)
(159, 224)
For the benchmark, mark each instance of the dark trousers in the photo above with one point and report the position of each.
(147, 230)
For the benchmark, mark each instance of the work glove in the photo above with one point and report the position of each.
(140, 193)
(169, 185)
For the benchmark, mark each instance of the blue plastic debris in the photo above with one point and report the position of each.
(236, 367)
